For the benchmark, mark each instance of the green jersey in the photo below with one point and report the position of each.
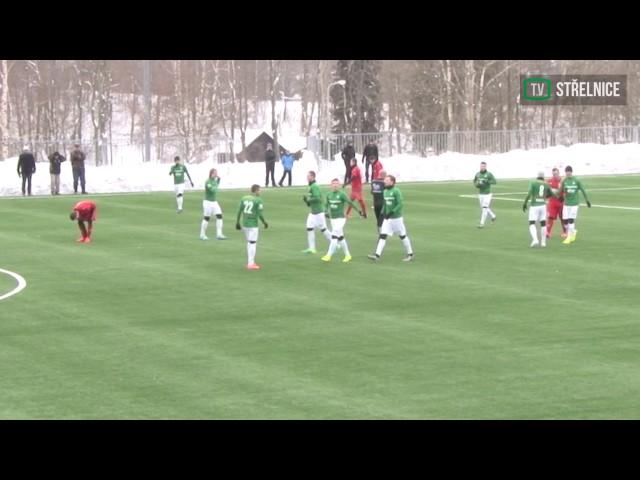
(483, 182)
(393, 202)
(178, 171)
(251, 209)
(336, 202)
(539, 191)
(315, 198)
(570, 188)
(211, 189)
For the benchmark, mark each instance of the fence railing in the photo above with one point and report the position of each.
(217, 149)
(426, 144)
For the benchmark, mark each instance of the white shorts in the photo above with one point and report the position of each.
(251, 234)
(393, 225)
(485, 199)
(316, 220)
(570, 212)
(179, 188)
(211, 208)
(337, 226)
(538, 213)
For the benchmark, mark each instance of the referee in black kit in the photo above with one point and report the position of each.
(377, 190)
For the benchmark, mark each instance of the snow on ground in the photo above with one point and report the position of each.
(135, 176)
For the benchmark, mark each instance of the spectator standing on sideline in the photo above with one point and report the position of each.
(26, 168)
(55, 159)
(287, 164)
(77, 166)
(348, 152)
(371, 150)
(270, 165)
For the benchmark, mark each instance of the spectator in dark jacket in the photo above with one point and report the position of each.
(287, 164)
(77, 165)
(270, 165)
(348, 152)
(55, 159)
(26, 168)
(371, 150)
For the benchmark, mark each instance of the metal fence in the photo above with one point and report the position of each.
(217, 149)
(426, 144)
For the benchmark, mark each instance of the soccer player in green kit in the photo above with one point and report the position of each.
(483, 181)
(210, 206)
(251, 208)
(178, 171)
(336, 201)
(393, 221)
(570, 187)
(316, 218)
(539, 191)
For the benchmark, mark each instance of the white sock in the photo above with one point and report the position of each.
(327, 234)
(381, 243)
(543, 235)
(407, 245)
(311, 239)
(533, 232)
(203, 228)
(483, 217)
(572, 228)
(345, 247)
(490, 212)
(180, 200)
(219, 227)
(332, 246)
(251, 253)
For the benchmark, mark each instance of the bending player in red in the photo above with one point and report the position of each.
(356, 188)
(554, 205)
(84, 211)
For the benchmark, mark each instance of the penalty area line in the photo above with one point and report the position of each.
(22, 284)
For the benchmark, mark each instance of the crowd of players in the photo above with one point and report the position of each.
(550, 200)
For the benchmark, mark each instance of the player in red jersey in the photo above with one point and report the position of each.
(84, 211)
(376, 167)
(554, 205)
(356, 188)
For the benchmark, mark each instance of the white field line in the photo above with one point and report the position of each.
(608, 189)
(22, 284)
(582, 204)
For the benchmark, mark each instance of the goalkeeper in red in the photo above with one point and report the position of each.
(84, 211)
(393, 221)
(250, 210)
(336, 201)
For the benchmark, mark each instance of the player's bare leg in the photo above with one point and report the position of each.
(549, 226)
(564, 227)
(363, 208)
(83, 231)
(87, 239)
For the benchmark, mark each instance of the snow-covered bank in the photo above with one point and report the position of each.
(586, 159)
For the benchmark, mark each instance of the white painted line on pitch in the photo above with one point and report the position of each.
(582, 204)
(22, 284)
(608, 189)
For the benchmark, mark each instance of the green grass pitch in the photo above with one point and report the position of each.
(150, 322)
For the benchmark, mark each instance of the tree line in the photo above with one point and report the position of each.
(43, 100)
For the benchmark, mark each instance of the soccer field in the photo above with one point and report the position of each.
(148, 321)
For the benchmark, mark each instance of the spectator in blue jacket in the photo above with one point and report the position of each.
(287, 163)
